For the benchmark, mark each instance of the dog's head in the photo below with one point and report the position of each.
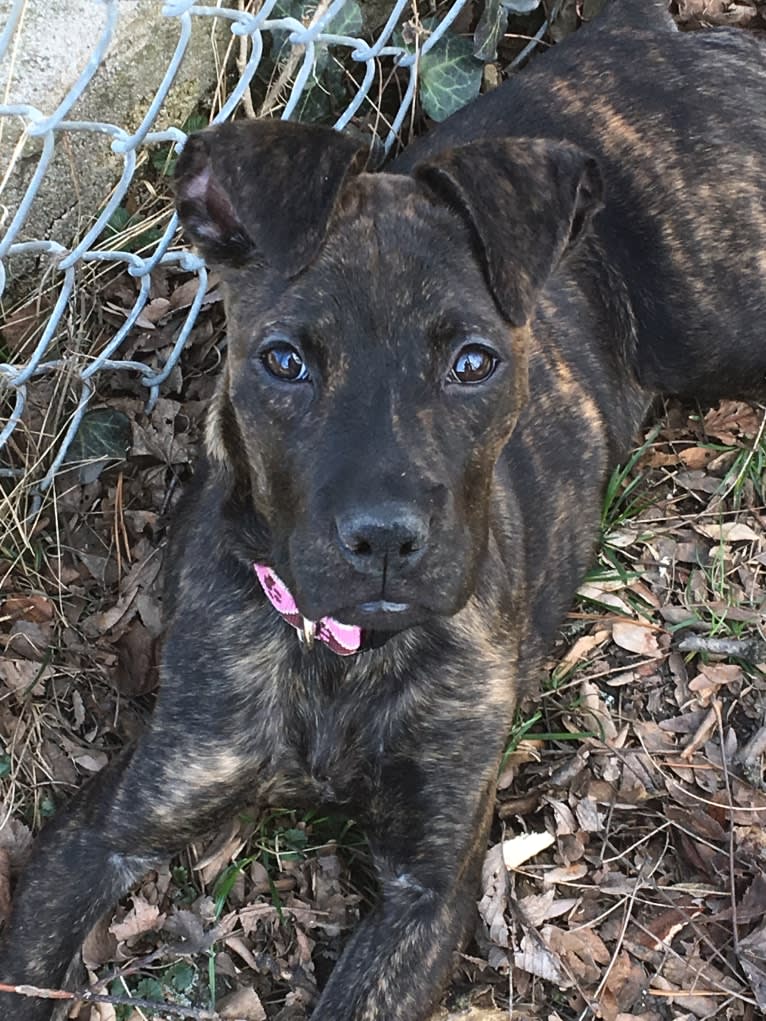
(378, 329)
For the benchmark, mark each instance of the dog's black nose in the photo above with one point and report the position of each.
(394, 533)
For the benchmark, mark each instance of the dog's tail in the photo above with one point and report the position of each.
(639, 14)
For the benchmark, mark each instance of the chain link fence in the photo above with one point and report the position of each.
(301, 42)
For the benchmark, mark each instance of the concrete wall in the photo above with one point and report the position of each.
(53, 41)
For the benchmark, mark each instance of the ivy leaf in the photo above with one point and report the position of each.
(450, 77)
(182, 975)
(104, 435)
(493, 23)
(348, 21)
(490, 29)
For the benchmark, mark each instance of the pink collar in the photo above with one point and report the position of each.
(343, 639)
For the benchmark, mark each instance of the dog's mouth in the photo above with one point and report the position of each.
(384, 606)
(383, 615)
(349, 629)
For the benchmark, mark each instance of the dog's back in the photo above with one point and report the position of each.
(426, 390)
(684, 162)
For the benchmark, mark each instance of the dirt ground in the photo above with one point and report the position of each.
(625, 877)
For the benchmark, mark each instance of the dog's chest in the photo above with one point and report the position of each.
(330, 746)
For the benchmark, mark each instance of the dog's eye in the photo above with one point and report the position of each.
(283, 362)
(474, 364)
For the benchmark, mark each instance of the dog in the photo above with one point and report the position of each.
(432, 372)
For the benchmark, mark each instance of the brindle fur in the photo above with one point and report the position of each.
(494, 226)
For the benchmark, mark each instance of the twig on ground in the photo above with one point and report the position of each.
(730, 799)
(751, 649)
(86, 996)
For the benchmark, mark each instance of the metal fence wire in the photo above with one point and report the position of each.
(65, 259)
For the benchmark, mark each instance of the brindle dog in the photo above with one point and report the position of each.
(431, 373)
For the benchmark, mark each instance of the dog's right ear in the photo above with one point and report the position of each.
(262, 190)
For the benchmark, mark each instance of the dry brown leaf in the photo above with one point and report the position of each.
(729, 531)
(153, 312)
(136, 672)
(142, 917)
(99, 946)
(594, 713)
(564, 818)
(659, 932)
(580, 650)
(189, 928)
(28, 640)
(219, 852)
(104, 1011)
(241, 949)
(91, 761)
(605, 594)
(565, 874)
(588, 815)
(244, 1004)
(625, 987)
(527, 750)
(185, 293)
(731, 419)
(712, 677)
(16, 839)
(36, 609)
(582, 949)
(494, 901)
(541, 960)
(252, 914)
(23, 326)
(24, 676)
(521, 848)
(534, 907)
(697, 457)
(636, 638)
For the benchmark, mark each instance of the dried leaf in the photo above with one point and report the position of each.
(636, 638)
(540, 960)
(697, 457)
(494, 902)
(16, 839)
(582, 949)
(731, 419)
(142, 917)
(535, 907)
(712, 677)
(243, 1005)
(100, 945)
(580, 650)
(565, 874)
(36, 609)
(25, 677)
(521, 848)
(729, 531)
(588, 815)
(189, 930)
(594, 712)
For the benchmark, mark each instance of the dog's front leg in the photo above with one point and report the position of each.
(132, 817)
(428, 846)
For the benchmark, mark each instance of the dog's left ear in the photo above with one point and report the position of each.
(527, 200)
(262, 190)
